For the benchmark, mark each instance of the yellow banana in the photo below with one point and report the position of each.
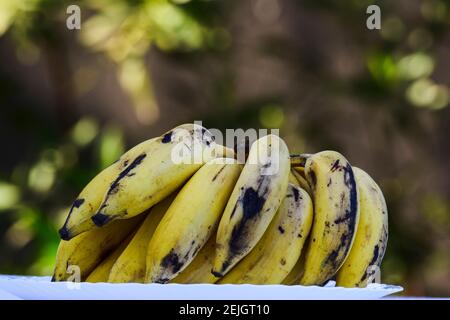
(190, 219)
(336, 215)
(371, 236)
(253, 203)
(295, 274)
(155, 173)
(101, 272)
(130, 265)
(86, 251)
(276, 253)
(88, 201)
(199, 270)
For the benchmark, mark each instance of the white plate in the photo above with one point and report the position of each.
(40, 288)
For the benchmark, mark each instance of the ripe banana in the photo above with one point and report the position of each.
(130, 265)
(276, 253)
(88, 249)
(253, 203)
(190, 220)
(199, 270)
(336, 215)
(155, 173)
(101, 272)
(297, 271)
(371, 236)
(88, 201)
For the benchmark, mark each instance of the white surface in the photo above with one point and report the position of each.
(40, 288)
(7, 296)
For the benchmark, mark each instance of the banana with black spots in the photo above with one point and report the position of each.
(253, 203)
(130, 265)
(297, 178)
(199, 270)
(156, 172)
(271, 260)
(336, 215)
(88, 201)
(371, 236)
(88, 249)
(190, 219)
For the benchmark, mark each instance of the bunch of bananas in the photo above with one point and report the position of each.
(277, 219)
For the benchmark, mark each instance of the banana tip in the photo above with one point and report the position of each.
(64, 234)
(216, 274)
(100, 219)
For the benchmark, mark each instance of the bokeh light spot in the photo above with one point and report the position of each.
(271, 116)
(19, 234)
(424, 93)
(9, 195)
(84, 131)
(416, 65)
(42, 177)
(111, 145)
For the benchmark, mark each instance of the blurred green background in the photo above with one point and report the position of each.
(72, 101)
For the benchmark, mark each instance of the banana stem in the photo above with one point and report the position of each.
(299, 160)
